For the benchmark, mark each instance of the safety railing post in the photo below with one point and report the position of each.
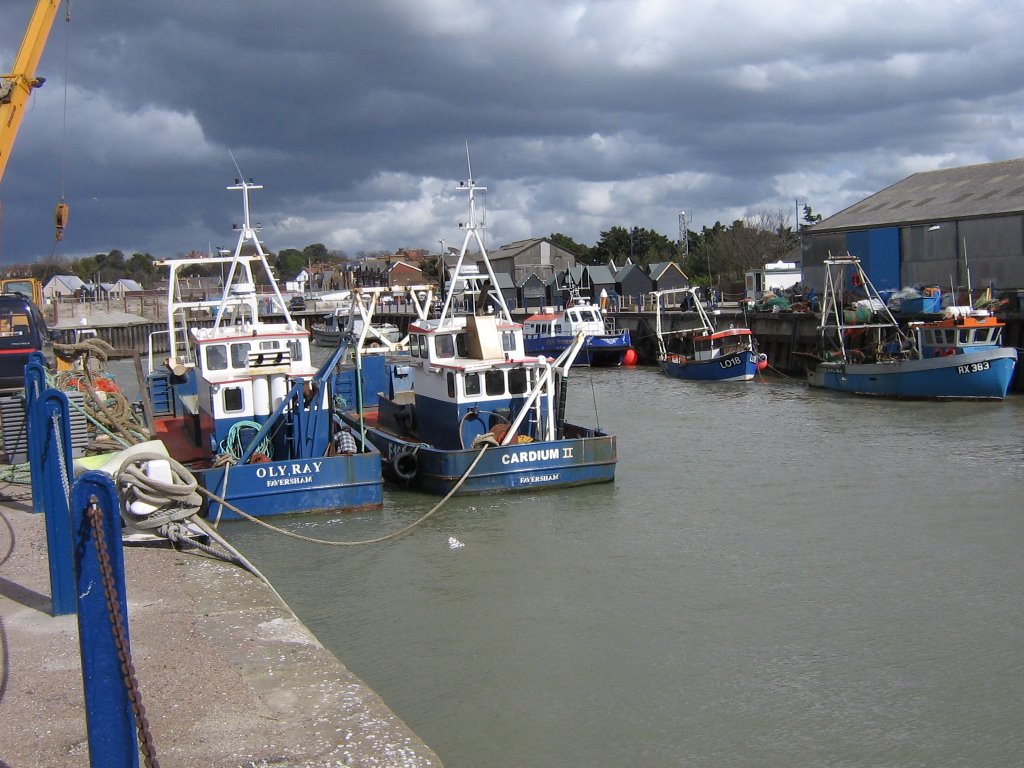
(107, 674)
(51, 448)
(35, 385)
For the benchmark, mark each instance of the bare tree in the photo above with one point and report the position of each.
(750, 243)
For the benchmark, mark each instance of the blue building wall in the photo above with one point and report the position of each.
(879, 254)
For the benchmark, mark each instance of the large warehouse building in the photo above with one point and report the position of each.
(930, 229)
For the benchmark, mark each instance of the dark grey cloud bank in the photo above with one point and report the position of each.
(579, 116)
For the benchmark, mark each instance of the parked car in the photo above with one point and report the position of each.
(296, 304)
(22, 332)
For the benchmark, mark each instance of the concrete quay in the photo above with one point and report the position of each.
(227, 673)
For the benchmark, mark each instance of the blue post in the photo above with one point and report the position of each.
(110, 721)
(35, 385)
(51, 459)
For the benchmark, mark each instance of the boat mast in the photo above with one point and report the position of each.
(244, 287)
(473, 228)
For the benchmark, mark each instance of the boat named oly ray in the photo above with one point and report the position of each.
(469, 411)
(241, 405)
(864, 351)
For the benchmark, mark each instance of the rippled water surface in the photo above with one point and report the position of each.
(777, 577)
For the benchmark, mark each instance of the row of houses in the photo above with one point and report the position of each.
(62, 287)
(530, 274)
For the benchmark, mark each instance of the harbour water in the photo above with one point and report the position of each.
(778, 576)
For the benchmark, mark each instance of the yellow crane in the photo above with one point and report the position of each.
(16, 87)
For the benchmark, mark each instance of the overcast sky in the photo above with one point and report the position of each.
(579, 116)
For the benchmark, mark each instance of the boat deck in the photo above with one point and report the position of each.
(178, 434)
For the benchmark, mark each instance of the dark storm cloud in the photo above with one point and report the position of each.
(580, 116)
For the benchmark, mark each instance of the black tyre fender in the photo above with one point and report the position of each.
(405, 465)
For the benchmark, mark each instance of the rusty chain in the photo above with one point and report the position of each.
(95, 515)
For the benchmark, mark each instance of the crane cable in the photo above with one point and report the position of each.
(60, 213)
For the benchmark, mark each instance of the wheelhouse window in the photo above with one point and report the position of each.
(494, 381)
(451, 384)
(444, 346)
(460, 345)
(295, 350)
(240, 355)
(217, 357)
(508, 341)
(517, 381)
(472, 384)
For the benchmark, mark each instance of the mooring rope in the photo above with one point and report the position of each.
(170, 501)
(333, 543)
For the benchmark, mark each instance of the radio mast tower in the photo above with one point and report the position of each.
(684, 237)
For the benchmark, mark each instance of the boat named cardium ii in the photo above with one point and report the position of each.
(469, 411)
(240, 404)
(863, 350)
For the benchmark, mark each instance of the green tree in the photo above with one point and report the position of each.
(641, 246)
(315, 252)
(140, 264)
(567, 243)
(810, 218)
(86, 268)
(289, 263)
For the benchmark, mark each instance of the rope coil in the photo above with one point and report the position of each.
(169, 501)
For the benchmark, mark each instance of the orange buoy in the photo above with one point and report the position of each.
(631, 358)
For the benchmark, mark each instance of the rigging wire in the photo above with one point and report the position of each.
(61, 211)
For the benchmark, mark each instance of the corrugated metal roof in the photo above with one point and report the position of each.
(953, 193)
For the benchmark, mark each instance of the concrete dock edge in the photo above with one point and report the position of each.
(229, 676)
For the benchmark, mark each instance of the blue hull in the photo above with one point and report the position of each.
(597, 350)
(582, 460)
(983, 375)
(739, 366)
(324, 484)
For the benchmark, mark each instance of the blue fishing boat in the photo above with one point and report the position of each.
(864, 351)
(238, 402)
(552, 332)
(469, 411)
(701, 352)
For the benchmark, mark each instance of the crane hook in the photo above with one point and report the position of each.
(60, 216)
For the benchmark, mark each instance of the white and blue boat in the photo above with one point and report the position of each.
(239, 403)
(469, 411)
(702, 352)
(552, 331)
(864, 351)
